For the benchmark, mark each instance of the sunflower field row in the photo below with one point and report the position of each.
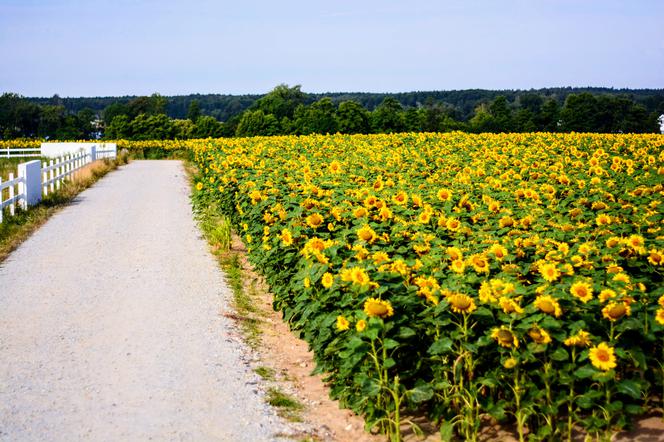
(474, 278)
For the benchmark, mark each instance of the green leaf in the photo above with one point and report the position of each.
(630, 388)
(390, 344)
(406, 332)
(389, 363)
(421, 393)
(446, 431)
(560, 354)
(584, 372)
(441, 346)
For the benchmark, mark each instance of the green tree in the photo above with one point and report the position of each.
(548, 119)
(580, 113)
(502, 114)
(151, 127)
(194, 111)
(254, 123)
(183, 129)
(318, 118)
(353, 118)
(118, 129)
(208, 127)
(483, 120)
(281, 101)
(113, 110)
(388, 117)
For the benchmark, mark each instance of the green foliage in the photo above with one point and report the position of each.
(194, 111)
(257, 122)
(353, 118)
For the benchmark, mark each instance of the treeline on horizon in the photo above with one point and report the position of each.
(288, 110)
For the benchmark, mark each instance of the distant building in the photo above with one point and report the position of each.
(661, 123)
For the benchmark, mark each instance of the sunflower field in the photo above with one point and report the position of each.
(511, 278)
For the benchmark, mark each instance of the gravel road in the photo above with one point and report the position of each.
(111, 324)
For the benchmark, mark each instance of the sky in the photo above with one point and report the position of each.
(123, 47)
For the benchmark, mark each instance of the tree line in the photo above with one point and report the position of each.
(288, 110)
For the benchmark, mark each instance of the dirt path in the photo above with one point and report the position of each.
(111, 324)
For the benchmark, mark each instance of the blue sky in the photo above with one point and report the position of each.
(123, 47)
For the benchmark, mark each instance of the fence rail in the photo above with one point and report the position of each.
(14, 196)
(36, 179)
(20, 153)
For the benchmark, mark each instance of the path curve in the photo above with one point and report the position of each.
(111, 324)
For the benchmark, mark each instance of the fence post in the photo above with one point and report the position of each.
(93, 154)
(31, 185)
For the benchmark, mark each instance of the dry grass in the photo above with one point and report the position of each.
(16, 229)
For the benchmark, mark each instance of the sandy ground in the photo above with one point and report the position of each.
(112, 325)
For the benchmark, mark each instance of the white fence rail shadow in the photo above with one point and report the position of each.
(35, 178)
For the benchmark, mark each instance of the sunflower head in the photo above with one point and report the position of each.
(342, 323)
(539, 335)
(461, 303)
(327, 280)
(581, 339)
(582, 291)
(549, 305)
(603, 357)
(375, 307)
(314, 220)
(616, 310)
(505, 337)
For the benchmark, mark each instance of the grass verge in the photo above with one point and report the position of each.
(16, 229)
(287, 406)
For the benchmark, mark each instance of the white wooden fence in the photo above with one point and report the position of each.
(20, 153)
(35, 179)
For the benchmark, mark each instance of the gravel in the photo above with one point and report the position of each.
(112, 326)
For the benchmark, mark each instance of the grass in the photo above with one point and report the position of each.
(16, 229)
(287, 406)
(267, 373)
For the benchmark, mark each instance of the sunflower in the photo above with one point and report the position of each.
(360, 212)
(499, 251)
(380, 257)
(327, 280)
(549, 305)
(444, 194)
(510, 363)
(342, 323)
(286, 237)
(479, 263)
(314, 220)
(659, 316)
(367, 234)
(359, 276)
(616, 310)
(606, 294)
(580, 339)
(454, 253)
(401, 198)
(458, 266)
(602, 357)
(582, 290)
(504, 337)
(335, 167)
(636, 242)
(461, 303)
(486, 293)
(549, 271)
(509, 305)
(375, 307)
(656, 257)
(361, 325)
(539, 335)
(453, 224)
(603, 220)
(424, 217)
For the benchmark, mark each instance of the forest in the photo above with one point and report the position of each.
(289, 110)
